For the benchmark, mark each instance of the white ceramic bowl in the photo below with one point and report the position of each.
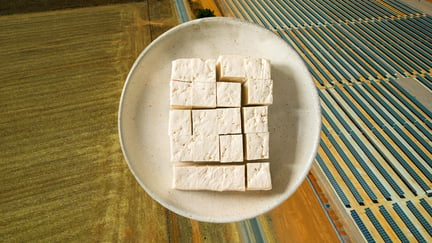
(294, 117)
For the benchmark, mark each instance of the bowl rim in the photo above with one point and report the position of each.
(175, 209)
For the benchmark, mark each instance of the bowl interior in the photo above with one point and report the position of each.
(294, 117)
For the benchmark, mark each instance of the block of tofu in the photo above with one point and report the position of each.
(203, 95)
(205, 122)
(180, 123)
(181, 148)
(257, 68)
(257, 146)
(229, 120)
(255, 119)
(205, 148)
(231, 68)
(214, 178)
(258, 92)
(228, 94)
(231, 148)
(258, 176)
(193, 69)
(180, 94)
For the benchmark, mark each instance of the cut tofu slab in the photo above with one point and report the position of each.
(180, 123)
(257, 68)
(255, 119)
(219, 115)
(181, 148)
(228, 94)
(180, 94)
(258, 176)
(195, 148)
(231, 148)
(205, 122)
(231, 68)
(205, 148)
(257, 146)
(229, 121)
(194, 70)
(214, 178)
(203, 95)
(258, 92)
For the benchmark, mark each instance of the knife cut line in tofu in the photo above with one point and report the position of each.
(218, 123)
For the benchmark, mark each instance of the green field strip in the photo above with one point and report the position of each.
(402, 147)
(425, 82)
(421, 138)
(404, 66)
(403, 7)
(374, 143)
(417, 214)
(333, 116)
(379, 141)
(408, 223)
(422, 51)
(409, 101)
(382, 232)
(402, 106)
(308, 8)
(303, 16)
(363, 229)
(242, 13)
(356, 159)
(357, 67)
(395, 42)
(333, 181)
(289, 11)
(275, 15)
(337, 64)
(395, 227)
(411, 27)
(391, 123)
(250, 8)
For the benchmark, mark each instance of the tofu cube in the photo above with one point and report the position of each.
(180, 123)
(255, 119)
(231, 148)
(203, 95)
(214, 178)
(257, 68)
(205, 148)
(231, 68)
(207, 72)
(229, 120)
(181, 70)
(258, 176)
(257, 145)
(194, 69)
(181, 148)
(228, 94)
(205, 122)
(258, 92)
(180, 94)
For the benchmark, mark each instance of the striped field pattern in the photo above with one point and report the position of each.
(375, 152)
(63, 177)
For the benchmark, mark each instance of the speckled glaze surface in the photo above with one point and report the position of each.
(294, 117)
